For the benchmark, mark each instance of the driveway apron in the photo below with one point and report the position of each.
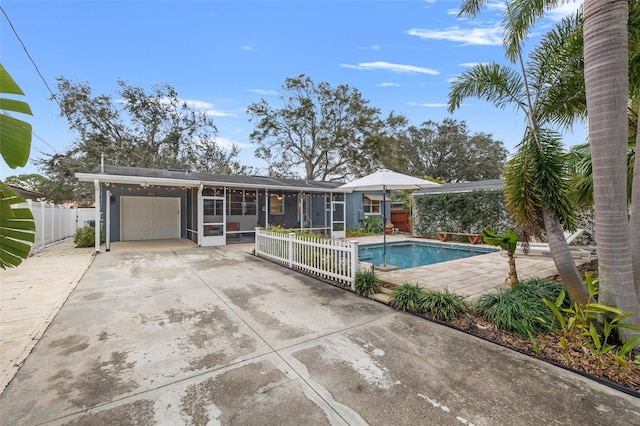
(200, 336)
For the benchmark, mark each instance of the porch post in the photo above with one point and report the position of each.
(266, 208)
(200, 215)
(96, 185)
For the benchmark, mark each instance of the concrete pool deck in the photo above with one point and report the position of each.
(471, 277)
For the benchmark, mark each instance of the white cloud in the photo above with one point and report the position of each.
(388, 84)
(428, 105)
(496, 5)
(472, 64)
(564, 9)
(264, 92)
(491, 36)
(227, 143)
(247, 48)
(399, 68)
(218, 113)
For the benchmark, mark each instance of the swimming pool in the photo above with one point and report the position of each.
(410, 254)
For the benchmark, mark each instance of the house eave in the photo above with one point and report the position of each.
(137, 180)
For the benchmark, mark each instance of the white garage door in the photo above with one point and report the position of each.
(149, 218)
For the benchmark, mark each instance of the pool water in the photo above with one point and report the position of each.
(410, 254)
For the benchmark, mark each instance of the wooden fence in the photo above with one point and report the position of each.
(335, 260)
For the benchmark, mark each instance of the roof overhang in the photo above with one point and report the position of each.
(139, 180)
(377, 197)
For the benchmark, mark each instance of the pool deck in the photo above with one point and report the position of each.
(471, 277)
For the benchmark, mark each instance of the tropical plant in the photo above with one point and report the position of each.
(580, 327)
(406, 297)
(373, 224)
(507, 242)
(17, 227)
(443, 305)
(366, 283)
(536, 180)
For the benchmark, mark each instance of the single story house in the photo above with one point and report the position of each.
(211, 209)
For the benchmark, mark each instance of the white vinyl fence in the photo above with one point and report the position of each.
(335, 260)
(55, 223)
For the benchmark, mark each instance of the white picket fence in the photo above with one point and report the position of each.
(335, 260)
(55, 223)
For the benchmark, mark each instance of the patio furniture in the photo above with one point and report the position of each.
(473, 238)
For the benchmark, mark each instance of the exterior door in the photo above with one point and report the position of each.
(338, 229)
(304, 211)
(213, 221)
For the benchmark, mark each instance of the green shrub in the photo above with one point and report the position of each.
(538, 288)
(406, 297)
(373, 224)
(86, 237)
(353, 232)
(522, 309)
(443, 305)
(366, 283)
(518, 310)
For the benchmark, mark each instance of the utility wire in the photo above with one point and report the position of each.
(53, 96)
(45, 142)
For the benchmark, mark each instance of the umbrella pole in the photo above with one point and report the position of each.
(384, 227)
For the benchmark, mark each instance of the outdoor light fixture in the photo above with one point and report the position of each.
(279, 196)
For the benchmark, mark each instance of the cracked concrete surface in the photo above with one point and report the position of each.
(187, 335)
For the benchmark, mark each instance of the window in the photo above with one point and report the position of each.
(370, 207)
(276, 204)
(241, 202)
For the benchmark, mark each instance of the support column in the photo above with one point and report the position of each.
(96, 185)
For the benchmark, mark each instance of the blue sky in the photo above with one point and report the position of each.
(225, 55)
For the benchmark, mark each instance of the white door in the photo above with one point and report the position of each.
(304, 211)
(338, 229)
(149, 218)
(213, 221)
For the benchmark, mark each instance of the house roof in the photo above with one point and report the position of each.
(493, 184)
(26, 193)
(173, 177)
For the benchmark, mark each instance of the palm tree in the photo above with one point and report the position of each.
(606, 73)
(608, 26)
(536, 180)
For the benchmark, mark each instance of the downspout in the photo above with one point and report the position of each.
(200, 215)
(266, 208)
(107, 225)
(96, 185)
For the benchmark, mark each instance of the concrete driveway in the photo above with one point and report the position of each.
(196, 336)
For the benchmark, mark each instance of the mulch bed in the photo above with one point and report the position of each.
(549, 349)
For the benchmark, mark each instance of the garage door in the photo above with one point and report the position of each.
(150, 218)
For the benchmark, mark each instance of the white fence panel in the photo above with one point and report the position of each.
(334, 260)
(54, 222)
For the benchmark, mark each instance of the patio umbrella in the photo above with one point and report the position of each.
(384, 180)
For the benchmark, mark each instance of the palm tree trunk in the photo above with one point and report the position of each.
(563, 260)
(634, 219)
(607, 92)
